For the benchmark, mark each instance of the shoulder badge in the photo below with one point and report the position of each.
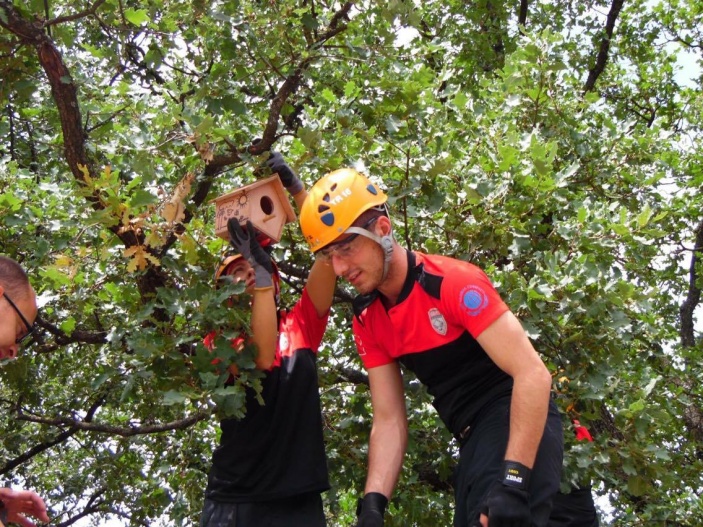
(473, 299)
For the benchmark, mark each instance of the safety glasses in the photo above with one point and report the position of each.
(344, 248)
(30, 327)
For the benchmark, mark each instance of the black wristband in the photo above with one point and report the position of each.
(373, 501)
(515, 475)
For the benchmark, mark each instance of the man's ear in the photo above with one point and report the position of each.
(384, 225)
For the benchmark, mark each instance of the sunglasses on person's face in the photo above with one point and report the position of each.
(30, 327)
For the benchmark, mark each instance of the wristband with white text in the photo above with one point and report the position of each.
(515, 475)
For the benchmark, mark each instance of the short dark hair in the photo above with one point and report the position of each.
(13, 278)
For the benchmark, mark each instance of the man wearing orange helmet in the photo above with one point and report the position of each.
(18, 309)
(442, 319)
(270, 466)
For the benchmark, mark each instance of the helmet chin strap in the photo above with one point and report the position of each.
(386, 243)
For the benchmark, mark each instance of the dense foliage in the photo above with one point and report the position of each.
(555, 144)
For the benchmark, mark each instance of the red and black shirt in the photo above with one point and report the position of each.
(277, 450)
(445, 304)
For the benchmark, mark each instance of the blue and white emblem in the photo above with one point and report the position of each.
(473, 299)
(437, 321)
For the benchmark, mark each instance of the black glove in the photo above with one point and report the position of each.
(507, 503)
(245, 243)
(370, 510)
(288, 177)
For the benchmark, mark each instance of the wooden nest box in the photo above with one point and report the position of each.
(264, 202)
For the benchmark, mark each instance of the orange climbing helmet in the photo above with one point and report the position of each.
(334, 203)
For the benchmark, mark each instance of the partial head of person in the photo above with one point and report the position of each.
(345, 220)
(236, 269)
(18, 308)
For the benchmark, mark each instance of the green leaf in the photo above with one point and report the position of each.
(172, 397)
(9, 201)
(644, 216)
(136, 17)
(637, 406)
(141, 198)
(650, 386)
(637, 486)
(351, 90)
(100, 380)
(68, 325)
(329, 95)
(460, 100)
(582, 215)
(393, 124)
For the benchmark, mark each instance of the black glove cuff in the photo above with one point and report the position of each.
(373, 501)
(515, 475)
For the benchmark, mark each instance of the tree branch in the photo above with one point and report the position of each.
(94, 505)
(522, 14)
(602, 57)
(130, 431)
(693, 298)
(42, 447)
(351, 375)
(86, 337)
(82, 14)
(342, 14)
(37, 449)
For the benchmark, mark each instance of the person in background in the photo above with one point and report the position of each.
(270, 467)
(18, 310)
(442, 319)
(577, 508)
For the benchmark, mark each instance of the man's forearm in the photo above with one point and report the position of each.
(528, 415)
(387, 446)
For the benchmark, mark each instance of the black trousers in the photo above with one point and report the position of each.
(482, 455)
(304, 510)
(575, 509)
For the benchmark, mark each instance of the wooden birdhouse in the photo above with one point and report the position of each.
(264, 202)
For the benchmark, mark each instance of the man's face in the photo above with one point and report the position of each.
(359, 260)
(12, 327)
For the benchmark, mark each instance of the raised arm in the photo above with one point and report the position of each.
(264, 327)
(320, 286)
(322, 279)
(264, 320)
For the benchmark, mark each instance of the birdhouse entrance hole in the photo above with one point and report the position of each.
(266, 205)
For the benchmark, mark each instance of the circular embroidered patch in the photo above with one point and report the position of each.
(473, 299)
